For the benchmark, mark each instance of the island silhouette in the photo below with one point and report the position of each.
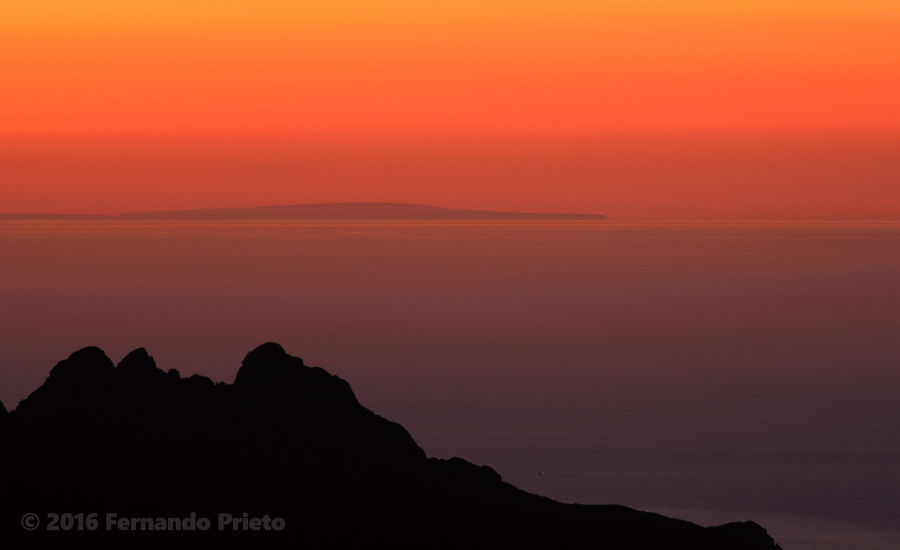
(324, 211)
(285, 455)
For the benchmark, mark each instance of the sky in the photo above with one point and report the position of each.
(642, 109)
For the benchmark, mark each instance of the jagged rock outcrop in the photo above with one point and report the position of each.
(286, 441)
(4, 414)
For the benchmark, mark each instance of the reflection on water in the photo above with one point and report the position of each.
(714, 372)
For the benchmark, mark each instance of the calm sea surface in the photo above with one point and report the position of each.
(713, 372)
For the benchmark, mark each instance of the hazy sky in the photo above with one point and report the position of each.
(641, 108)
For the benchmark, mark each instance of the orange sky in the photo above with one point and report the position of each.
(162, 83)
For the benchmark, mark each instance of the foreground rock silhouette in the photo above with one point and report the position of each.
(284, 442)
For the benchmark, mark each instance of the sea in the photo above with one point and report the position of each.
(714, 371)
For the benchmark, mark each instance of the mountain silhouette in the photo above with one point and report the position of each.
(324, 211)
(289, 446)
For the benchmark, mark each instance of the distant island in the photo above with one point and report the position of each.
(284, 457)
(324, 211)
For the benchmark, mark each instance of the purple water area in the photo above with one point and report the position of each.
(713, 372)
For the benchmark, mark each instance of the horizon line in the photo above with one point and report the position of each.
(331, 210)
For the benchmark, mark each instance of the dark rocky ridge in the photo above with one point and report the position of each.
(286, 440)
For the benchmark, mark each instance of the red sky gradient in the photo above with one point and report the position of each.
(643, 109)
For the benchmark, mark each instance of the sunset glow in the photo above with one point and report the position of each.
(451, 273)
(472, 73)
